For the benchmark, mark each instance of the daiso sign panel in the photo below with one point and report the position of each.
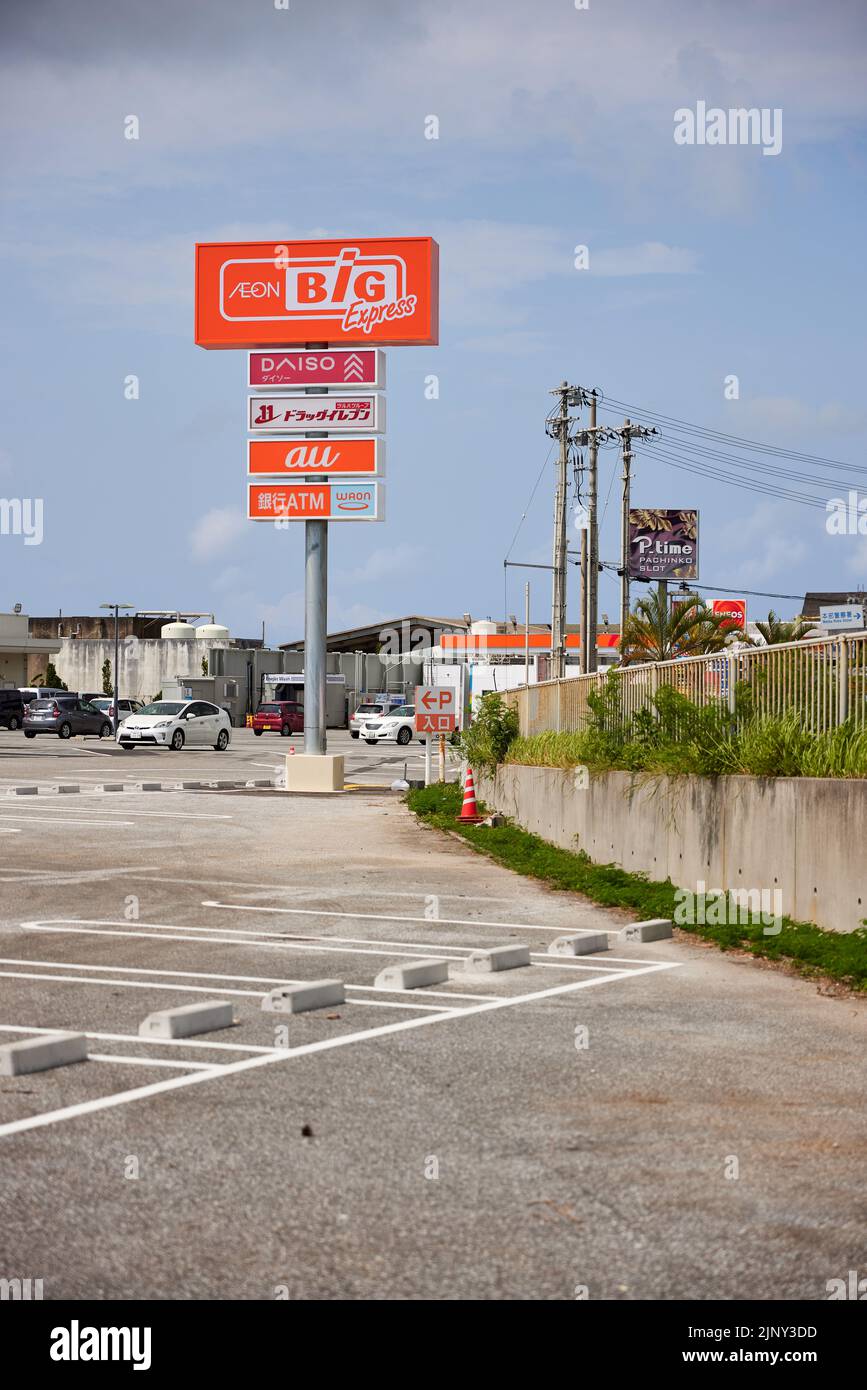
(351, 290)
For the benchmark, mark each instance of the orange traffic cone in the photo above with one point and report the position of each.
(469, 810)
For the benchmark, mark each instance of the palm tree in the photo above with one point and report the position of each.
(656, 633)
(775, 630)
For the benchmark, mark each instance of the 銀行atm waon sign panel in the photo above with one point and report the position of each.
(258, 294)
(279, 501)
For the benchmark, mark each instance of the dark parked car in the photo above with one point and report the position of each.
(11, 709)
(281, 716)
(65, 716)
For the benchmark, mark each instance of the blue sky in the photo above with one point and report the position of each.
(555, 130)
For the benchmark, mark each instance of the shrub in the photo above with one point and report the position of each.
(486, 741)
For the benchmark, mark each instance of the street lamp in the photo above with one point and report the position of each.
(117, 607)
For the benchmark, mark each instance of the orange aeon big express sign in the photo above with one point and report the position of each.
(353, 290)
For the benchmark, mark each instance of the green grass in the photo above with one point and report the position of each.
(840, 956)
(766, 746)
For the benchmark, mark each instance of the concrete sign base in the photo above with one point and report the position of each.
(314, 772)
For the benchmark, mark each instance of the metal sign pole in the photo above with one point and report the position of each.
(427, 761)
(315, 616)
(315, 633)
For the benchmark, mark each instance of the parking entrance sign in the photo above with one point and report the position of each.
(435, 709)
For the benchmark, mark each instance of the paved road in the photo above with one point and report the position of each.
(459, 1141)
(45, 760)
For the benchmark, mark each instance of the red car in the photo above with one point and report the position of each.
(279, 717)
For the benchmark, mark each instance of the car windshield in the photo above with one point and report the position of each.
(269, 709)
(402, 711)
(369, 709)
(163, 707)
(103, 702)
(44, 704)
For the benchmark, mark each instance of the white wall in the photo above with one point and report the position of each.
(144, 664)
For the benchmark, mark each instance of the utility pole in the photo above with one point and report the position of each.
(117, 607)
(588, 662)
(626, 454)
(627, 434)
(558, 595)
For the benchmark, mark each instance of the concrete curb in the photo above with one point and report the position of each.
(58, 789)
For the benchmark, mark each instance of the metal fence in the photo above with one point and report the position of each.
(823, 680)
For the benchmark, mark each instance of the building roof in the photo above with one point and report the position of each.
(372, 637)
(813, 601)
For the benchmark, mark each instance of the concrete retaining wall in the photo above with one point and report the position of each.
(805, 836)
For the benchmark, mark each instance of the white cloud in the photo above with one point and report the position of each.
(764, 544)
(216, 531)
(788, 415)
(382, 564)
(648, 258)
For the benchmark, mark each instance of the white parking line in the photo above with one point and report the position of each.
(202, 941)
(197, 989)
(239, 936)
(67, 820)
(154, 1062)
(174, 1083)
(147, 1042)
(383, 917)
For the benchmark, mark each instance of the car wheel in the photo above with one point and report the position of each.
(222, 741)
(258, 732)
(128, 747)
(105, 730)
(285, 731)
(404, 735)
(28, 734)
(13, 724)
(353, 733)
(177, 742)
(65, 730)
(371, 741)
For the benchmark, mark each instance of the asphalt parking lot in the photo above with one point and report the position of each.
(657, 1121)
(46, 761)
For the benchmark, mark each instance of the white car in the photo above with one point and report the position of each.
(175, 724)
(370, 709)
(397, 724)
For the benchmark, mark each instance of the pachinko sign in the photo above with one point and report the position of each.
(663, 543)
(355, 290)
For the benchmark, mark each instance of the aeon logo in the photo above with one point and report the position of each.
(357, 291)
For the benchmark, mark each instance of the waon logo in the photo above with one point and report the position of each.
(254, 294)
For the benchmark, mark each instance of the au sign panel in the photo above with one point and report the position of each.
(280, 458)
(354, 290)
(279, 501)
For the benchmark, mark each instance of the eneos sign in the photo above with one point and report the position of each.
(352, 290)
(733, 609)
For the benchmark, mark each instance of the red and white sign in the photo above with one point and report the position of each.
(279, 501)
(351, 290)
(342, 414)
(281, 458)
(435, 709)
(340, 369)
(735, 610)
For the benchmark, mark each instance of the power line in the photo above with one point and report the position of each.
(618, 407)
